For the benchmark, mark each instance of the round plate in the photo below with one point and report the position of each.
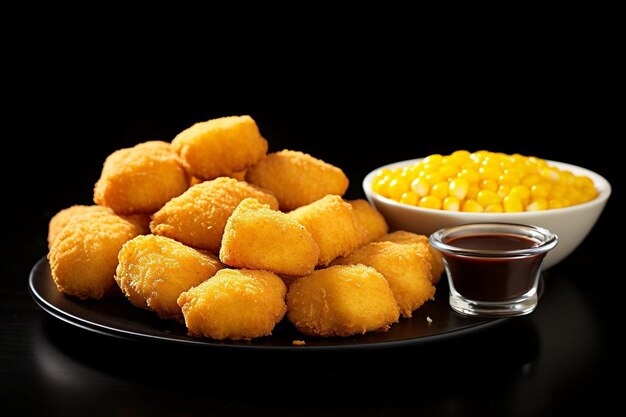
(115, 316)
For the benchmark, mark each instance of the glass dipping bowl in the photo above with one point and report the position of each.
(493, 268)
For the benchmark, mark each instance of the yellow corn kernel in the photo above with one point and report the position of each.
(432, 167)
(512, 204)
(522, 192)
(397, 187)
(583, 182)
(471, 175)
(440, 190)
(537, 204)
(449, 170)
(551, 174)
(489, 173)
(557, 190)
(420, 186)
(537, 161)
(460, 156)
(408, 175)
(487, 197)
(472, 192)
(383, 172)
(491, 185)
(566, 178)
(589, 194)
(494, 208)
(433, 159)
(434, 177)
(540, 190)
(381, 187)
(508, 179)
(409, 198)
(504, 190)
(430, 201)
(451, 203)
(458, 188)
(531, 180)
(472, 206)
(519, 172)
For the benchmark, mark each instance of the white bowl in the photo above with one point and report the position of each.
(571, 224)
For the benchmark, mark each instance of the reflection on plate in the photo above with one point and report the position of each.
(115, 316)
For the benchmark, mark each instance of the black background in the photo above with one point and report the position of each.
(555, 360)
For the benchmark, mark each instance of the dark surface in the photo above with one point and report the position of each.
(555, 361)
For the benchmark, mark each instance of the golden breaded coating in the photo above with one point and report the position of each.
(257, 237)
(153, 271)
(240, 176)
(341, 300)
(83, 257)
(407, 272)
(333, 225)
(234, 304)
(220, 147)
(370, 219)
(197, 217)
(296, 178)
(63, 217)
(141, 179)
(435, 259)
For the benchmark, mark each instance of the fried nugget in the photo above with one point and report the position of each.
(407, 272)
(257, 237)
(333, 225)
(435, 259)
(341, 300)
(63, 217)
(154, 270)
(197, 217)
(296, 178)
(220, 147)
(83, 256)
(370, 219)
(141, 179)
(234, 304)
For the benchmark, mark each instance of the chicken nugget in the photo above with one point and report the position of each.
(333, 225)
(234, 304)
(63, 217)
(257, 237)
(407, 272)
(197, 217)
(83, 256)
(154, 270)
(435, 259)
(141, 179)
(341, 300)
(296, 178)
(370, 219)
(220, 147)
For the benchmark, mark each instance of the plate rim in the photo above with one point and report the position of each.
(208, 343)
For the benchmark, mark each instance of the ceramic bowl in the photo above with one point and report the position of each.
(571, 224)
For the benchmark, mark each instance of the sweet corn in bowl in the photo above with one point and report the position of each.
(424, 195)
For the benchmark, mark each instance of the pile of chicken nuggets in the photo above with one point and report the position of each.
(212, 231)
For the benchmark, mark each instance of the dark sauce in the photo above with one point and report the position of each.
(493, 278)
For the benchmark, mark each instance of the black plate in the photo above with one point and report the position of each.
(115, 316)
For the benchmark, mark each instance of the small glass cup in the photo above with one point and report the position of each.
(493, 268)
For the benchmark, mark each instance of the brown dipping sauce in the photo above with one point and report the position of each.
(492, 278)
